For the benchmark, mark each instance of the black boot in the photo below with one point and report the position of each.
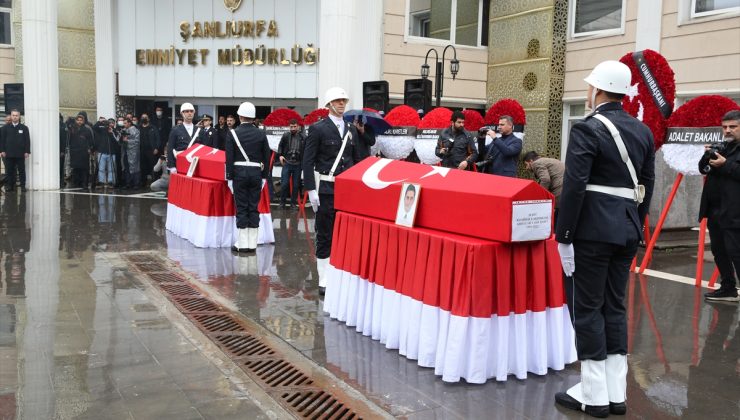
(600, 411)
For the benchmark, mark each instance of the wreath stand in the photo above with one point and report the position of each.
(659, 227)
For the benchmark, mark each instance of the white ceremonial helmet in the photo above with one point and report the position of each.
(187, 106)
(332, 94)
(246, 110)
(610, 76)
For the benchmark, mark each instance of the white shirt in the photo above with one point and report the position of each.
(190, 128)
(339, 123)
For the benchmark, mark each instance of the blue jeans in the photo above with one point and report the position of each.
(290, 171)
(105, 167)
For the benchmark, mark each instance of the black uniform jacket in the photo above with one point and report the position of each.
(15, 141)
(593, 158)
(721, 195)
(254, 142)
(178, 141)
(209, 137)
(322, 147)
(460, 146)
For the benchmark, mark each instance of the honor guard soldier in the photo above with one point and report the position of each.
(609, 175)
(329, 152)
(208, 134)
(247, 158)
(182, 136)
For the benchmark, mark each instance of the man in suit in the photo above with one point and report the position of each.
(15, 148)
(502, 155)
(247, 165)
(182, 136)
(330, 150)
(603, 204)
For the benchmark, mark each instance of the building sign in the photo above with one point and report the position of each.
(693, 135)
(225, 50)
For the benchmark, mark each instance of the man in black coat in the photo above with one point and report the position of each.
(163, 124)
(81, 144)
(502, 155)
(604, 201)
(208, 135)
(455, 146)
(290, 153)
(182, 136)
(15, 148)
(150, 147)
(247, 165)
(720, 204)
(330, 150)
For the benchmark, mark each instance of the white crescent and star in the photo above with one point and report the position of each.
(371, 176)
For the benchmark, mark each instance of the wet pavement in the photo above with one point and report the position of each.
(82, 337)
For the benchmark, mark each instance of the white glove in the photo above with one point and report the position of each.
(230, 183)
(313, 197)
(173, 170)
(567, 258)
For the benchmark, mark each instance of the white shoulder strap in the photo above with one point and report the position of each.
(195, 136)
(241, 149)
(639, 189)
(347, 136)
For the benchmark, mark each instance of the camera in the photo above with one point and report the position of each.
(715, 148)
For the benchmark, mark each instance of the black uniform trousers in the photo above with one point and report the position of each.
(325, 225)
(596, 293)
(13, 164)
(726, 250)
(247, 186)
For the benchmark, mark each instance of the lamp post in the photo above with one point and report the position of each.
(439, 76)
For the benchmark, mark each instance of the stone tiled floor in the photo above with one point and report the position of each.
(81, 338)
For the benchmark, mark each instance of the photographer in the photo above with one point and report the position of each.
(131, 140)
(290, 151)
(503, 153)
(720, 204)
(104, 146)
(456, 148)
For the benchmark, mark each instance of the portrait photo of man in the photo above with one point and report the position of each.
(406, 212)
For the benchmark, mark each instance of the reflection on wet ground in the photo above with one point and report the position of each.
(79, 337)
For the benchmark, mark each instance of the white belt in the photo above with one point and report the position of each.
(242, 163)
(629, 193)
(328, 178)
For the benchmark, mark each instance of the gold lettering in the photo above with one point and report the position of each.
(163, 56)
(203, 54)
(231, 29)
(197, 30)
(236, 55)
(140, 57)
(192, 54)
(185, 31)
(259, 55)
(260, 27)
(219, 33)
(151, 57)
(248, 57)
(310, 55)
(272, 54)
(209, 29)
(181, 56)
(272, 30)
(224, 57)
(249, 29)
(172, 55)
(283, 61)
(296, 54)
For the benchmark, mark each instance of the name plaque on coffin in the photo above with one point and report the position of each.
(468, 203)
(211, 162)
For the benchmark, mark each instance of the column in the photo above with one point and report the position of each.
(350, 38)
(104, 71)
(649, 20)
(41, 84)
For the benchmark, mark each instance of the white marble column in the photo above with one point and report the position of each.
(648, 25)
(351, 40)
(41, 85)
(104, 71)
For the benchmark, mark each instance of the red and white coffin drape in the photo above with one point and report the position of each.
(202, 211)
(471, 308)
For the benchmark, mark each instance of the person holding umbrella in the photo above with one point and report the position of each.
(368, 124)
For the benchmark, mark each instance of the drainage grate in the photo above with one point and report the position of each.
(218, 323)
(244, 346)
(149, 267)
(317, 404)
(139, 258)
(166, 277)
(179, 289)
(196, 305)
(277, 373)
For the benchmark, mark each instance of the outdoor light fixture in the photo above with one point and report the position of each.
(439, 76)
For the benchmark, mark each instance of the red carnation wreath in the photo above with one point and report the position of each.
(281, 117)
(702, 111)
(473, 120)
(665, 77)
(437, 118)
(398, 146)
(506, 107)
(315, 115)
(403, 116)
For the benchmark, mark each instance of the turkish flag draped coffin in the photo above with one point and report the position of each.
(211, 162)
(473, 204)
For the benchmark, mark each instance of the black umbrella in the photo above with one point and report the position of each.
(370, 118)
